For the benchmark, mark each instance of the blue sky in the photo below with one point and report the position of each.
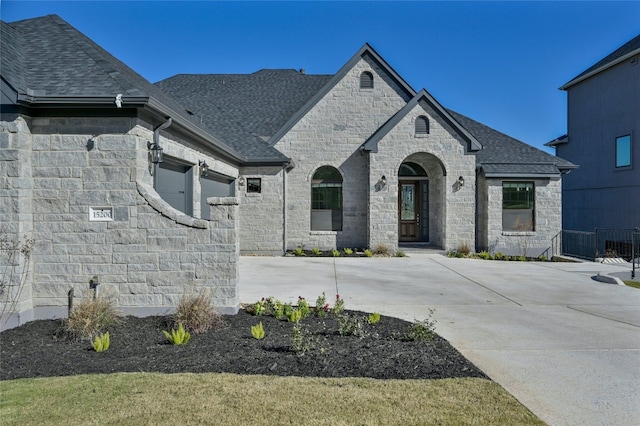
(500, 63)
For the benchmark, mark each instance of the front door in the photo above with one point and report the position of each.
(409, 209)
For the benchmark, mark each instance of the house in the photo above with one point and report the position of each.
(373, 162)
(152, 190)
(603, 125)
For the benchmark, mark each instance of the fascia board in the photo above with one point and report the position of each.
(523, 175)
(599, 70)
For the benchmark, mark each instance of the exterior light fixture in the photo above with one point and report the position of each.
(204, 168)
(156, 152)
(383, 180)
(240, 181)
(381, 183)
(460, 181)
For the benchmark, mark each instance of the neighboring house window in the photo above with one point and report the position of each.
(623, 151)
(518, 201)
(254, 185)
(366, 80)
(422, 125)
(326, 200)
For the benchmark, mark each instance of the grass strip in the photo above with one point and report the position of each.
(227, 399)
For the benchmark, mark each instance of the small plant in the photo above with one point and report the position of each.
(287, 309)
(101, 343)
(484, 255)
(498, 256)
(303, 307)
(277, 307)
(422, 330)
(368, 253)
(295, 315)
(316, 251)
(542, 258)
(179, 336)
(373, 318)
(15, 258)
(347, 251)
(335, 253)
(463, 249)
(351, 325)
(400, 253)
(197, 314)
(520, 258)
(299, 251)
(301, 341)
(381, 250)
(322, 307)
(338, 306)
(257, 331)
(91, 317)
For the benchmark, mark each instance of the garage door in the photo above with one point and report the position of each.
(174, 182)
(214, 186)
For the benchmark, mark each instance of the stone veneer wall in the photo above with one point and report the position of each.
(452, 208)
(261, 214)
(148, 256)
(548, 218)
(331, 134)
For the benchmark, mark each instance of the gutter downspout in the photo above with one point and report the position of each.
(156, 140)
(284, 208)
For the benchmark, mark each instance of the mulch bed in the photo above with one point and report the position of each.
(38, 349)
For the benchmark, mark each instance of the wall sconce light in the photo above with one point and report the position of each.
(381, 184)
(240, 181)
(204, 168)
(156, 152)
(460, 181)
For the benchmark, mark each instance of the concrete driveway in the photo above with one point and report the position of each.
(565, 345)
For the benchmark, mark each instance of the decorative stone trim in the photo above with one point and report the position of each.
(222, 201)
(162, 207)
(518, 233)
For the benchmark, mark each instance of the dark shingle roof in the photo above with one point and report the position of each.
(245, 106)
(629, 48)
(47, 57)
(503, 154)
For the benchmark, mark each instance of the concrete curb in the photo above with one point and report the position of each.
(606, 278)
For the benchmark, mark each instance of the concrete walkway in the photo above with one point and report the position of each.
(565, 345)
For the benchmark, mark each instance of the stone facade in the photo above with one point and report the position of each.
(547, 213)
(147, 255)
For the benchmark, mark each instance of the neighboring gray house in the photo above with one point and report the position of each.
(257, 163)
(603, 130)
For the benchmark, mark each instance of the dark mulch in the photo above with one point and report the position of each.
(138, 345)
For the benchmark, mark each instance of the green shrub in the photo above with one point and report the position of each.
(498, 256)
(90, 317)
(301, 341)
(368, 253)
(348, 251)
(400, 253)
(257, 331)
(197, 314)
(277, 307)
(422, 330)
(295, 315)
(303, 307)
(338, 306)
(373, 318)
(484, 255)
(179, 336)
(542, 258)
(299, 251)
(322, 307)
(316, 251)
(351, 325)
(260, 307)
(101, 343)
(464, 249)
(336, 253)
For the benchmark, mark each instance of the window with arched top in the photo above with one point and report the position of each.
(366, 80)
(326, 199)
(422, 125)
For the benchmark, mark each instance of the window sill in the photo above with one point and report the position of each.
(253, 194)
(323, 232)
(518, 233)
(421, 135)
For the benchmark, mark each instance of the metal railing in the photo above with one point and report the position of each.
(618, 243)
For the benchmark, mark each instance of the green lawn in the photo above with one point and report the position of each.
(226, 399)
(635, 284)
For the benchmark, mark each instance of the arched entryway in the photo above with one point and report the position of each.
(421, 200)
(413, 203)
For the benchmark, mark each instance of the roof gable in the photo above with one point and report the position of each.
(624, 52)
(364, 51)
(371, 144)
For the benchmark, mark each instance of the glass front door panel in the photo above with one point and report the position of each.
(408, 204)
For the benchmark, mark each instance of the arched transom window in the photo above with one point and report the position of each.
(326, 199)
